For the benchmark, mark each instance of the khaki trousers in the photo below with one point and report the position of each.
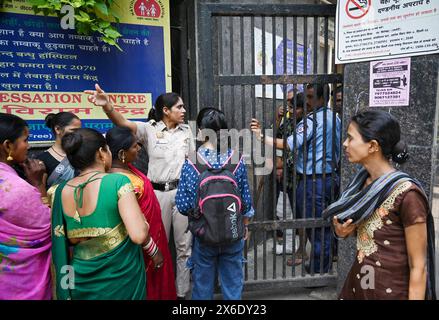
(182, 239)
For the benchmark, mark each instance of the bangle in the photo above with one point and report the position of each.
(156, 250)
(149, 244)
(151, 248)
(110, 111)
(153, 251)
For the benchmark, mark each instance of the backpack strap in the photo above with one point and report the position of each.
(230, 166)
(200, 164)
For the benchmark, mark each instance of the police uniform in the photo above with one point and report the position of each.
(167, 150)
(312, 128)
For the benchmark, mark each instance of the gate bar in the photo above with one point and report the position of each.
(277, 79)
(307, 10)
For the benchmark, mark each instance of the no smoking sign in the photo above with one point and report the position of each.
(357, 9)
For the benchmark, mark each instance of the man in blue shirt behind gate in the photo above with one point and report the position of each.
(317, 143)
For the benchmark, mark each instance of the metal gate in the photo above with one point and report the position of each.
(251, 56)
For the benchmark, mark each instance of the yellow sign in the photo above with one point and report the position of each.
(45, 69)
(37, 105)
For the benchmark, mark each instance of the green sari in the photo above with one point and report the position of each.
(108, 265)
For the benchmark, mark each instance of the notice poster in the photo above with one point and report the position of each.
(44, 69)
(369, 30)
(389, 83)
(302, 64)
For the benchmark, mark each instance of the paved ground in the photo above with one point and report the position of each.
(327, 293)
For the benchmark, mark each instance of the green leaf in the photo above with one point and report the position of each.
(111, 42)
(83, 28)
(88, 15)
(117, 46)
(104, 24)
(84, 14)
(57, 7)
(82, 19)
(55, 3)
(108, 40)
(102, 8)
(78, 3)
(112, 33)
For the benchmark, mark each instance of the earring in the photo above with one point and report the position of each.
(9, 158)
(122, 157)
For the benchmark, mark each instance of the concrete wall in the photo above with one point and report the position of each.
(419, 128)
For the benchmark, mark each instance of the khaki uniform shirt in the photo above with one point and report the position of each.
(167, 149)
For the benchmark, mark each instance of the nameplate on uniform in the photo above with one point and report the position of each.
(162, 141)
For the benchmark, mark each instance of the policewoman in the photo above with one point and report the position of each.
(168, 142)
(312, 129)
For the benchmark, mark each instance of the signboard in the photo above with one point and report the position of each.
(45, 69)
(389, 83)
(380, 29)
(269, 61)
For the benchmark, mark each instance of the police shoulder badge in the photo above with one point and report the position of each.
(160, 135)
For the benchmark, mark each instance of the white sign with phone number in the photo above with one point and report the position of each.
(390, 83)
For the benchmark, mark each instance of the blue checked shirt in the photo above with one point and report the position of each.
(319, 132)
(187, 187)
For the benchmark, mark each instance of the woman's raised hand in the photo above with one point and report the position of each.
(98, 97)
(35, 171)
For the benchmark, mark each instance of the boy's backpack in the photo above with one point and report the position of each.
(216, 218)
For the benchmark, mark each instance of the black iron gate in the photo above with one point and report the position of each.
(251, 56)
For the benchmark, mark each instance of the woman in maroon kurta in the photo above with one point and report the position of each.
(388, 212)
(382, 248)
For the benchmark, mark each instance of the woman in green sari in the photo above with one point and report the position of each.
(97, 227)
